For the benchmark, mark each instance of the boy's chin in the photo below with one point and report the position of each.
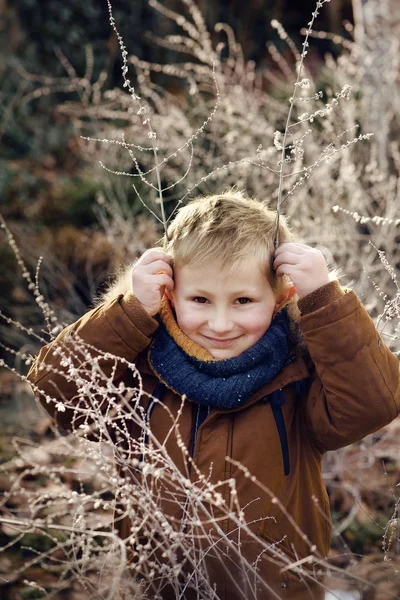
(224, 353)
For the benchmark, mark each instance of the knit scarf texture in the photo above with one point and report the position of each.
(190, 370)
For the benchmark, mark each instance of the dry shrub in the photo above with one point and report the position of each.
(227, 129)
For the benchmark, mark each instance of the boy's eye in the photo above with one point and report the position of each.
(244, 300)
(199, 299)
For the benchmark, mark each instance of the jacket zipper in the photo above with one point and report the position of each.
(156, 397)
(276, 401)
(280, 424)
(200, 413)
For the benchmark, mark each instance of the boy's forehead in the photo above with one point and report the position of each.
(214, 272)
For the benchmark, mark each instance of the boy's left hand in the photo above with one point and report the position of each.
(305, 266)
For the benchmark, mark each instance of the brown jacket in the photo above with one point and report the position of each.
(353, 390)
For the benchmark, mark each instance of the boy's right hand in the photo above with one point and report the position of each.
(150, 276)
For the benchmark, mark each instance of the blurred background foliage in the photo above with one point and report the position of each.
(48, 186)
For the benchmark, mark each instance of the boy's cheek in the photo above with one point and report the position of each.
(257, 325)
(184, 316)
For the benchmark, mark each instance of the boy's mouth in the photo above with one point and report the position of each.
(222, 341)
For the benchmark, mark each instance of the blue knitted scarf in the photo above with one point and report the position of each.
(221, 383)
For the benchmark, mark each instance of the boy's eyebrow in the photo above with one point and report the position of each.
(199, 292)
(238, 293)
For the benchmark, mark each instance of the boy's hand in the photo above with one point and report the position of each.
(150, 276)
(305, 266)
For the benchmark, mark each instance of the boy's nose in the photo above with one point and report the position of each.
(220, 323)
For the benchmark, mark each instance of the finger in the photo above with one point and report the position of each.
(286, 269)
(159, 266)
(164, 281)
(292, 247)
(288, 258)
(154, 254)
(170, 285)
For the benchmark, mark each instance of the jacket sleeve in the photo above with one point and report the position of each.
(355, 388)
(93, 350)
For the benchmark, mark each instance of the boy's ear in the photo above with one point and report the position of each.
(170, 296)
(284, 297)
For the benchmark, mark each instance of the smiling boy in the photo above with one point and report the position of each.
(225, 319)
(271, 380)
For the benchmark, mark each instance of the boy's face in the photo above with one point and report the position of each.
(225, 313)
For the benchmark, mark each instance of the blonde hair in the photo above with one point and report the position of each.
(227, 228)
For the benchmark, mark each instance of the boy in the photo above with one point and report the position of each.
(255, 380)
